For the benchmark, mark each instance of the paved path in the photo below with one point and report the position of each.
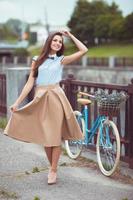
(75, 182)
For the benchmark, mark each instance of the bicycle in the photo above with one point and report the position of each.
(108, 140)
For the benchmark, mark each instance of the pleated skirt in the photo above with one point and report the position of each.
(47, 119)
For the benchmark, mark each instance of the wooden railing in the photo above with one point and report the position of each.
(90, 61)
(71, 86)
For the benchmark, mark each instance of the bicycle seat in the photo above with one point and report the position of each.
(83, 101)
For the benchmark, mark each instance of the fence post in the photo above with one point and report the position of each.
(4, 60)
(130, 128)
(111, 62)
(70, 77)
(15, 60)
(28, 61)
(84, 61)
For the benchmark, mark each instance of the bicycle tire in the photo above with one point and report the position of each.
(106, 150)
(74, 147)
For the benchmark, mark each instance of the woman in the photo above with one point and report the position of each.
(48, 118)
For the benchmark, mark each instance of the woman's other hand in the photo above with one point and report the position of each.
(14, 107)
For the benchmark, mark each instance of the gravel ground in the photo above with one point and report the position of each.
(75, 181)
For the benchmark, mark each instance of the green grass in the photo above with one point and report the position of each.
(34, 50)
(119, 50)
(36, 198)
(3, 122)
(35, 170)
(8, 195)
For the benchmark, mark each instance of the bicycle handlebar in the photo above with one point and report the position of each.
(86, 94)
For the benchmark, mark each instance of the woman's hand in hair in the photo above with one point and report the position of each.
(66, 33)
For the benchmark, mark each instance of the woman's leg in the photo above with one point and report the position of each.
(48, 151)
(53, 154)
(56, 151)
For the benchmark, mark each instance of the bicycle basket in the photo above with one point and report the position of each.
(108, 109)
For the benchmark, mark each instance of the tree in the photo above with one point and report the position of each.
(15, 26)
(78, 20)
(128, 26)
(102, 26)
(82, 22)
(5, 33)
(117, 28)
(114, 9)
(14, 29)
(96, 19)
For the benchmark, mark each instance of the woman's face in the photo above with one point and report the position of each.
(56, 43)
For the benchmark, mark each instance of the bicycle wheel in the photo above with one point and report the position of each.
(108, 147)
(74, 147)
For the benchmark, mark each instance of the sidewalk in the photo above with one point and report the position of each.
(23, 176)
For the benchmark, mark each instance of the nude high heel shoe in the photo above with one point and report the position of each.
(52, 175)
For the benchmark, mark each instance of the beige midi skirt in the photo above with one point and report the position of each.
(47, 119)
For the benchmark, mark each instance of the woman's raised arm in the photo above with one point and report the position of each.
(82, 49)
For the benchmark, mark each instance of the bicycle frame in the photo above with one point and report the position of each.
(108, 154)
(89, 134)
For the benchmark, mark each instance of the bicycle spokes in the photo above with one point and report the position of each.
(108, 147)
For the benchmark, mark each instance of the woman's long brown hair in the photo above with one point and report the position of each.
(46, 50)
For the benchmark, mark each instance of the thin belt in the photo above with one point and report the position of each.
(52, 86)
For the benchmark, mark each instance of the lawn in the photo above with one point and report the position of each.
(125, 50)
(119, 50)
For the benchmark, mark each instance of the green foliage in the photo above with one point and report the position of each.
(34, 50)
(3, 122)
(129, 26)
(36, 198)
(21, 52)
(6, 33)
(35, 170)
(98, 19)
(13, 29)
(14, 25)
(8, 195)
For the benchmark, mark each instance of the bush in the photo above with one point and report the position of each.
(21, 52)
(3, 122)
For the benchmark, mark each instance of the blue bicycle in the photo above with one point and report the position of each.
(107, 142)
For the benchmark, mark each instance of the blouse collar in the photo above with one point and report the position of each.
(51, 55)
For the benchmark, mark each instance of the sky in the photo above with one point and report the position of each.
(58, 11)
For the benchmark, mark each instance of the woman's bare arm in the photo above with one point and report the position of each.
(75, 56)
(26, 89)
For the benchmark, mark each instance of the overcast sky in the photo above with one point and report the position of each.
(58, 11)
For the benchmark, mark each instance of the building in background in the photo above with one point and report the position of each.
(39, 32)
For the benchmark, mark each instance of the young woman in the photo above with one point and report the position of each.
(48, 118)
